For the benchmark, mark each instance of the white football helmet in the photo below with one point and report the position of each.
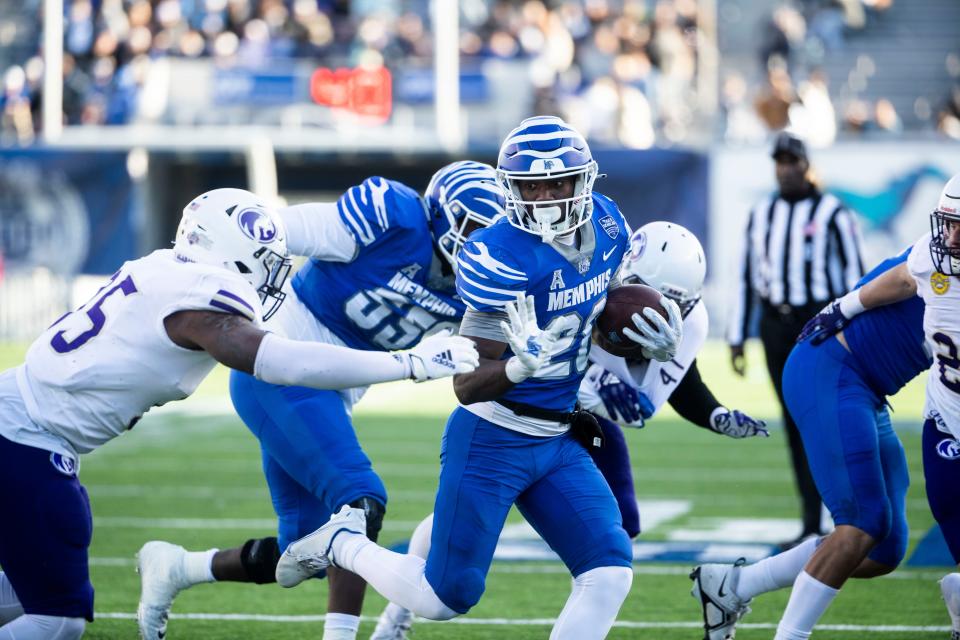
(946, 259)
(237, 230)
(669, 258)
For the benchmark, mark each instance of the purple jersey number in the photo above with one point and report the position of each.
(949, 362)
(96, 315)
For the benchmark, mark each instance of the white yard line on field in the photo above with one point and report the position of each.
(539, 622)
(548, 568)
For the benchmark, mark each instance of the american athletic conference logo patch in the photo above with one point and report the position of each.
(949, 449)
(67, 465)
(257, 225)
(610, 226)
(939, 283)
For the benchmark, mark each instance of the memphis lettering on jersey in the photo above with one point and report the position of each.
(583, 291)
(420, 295)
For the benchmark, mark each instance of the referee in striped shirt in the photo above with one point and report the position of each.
(802, 250)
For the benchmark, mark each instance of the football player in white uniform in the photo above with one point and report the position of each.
(669, 258)
(150, 336)
(929, 271)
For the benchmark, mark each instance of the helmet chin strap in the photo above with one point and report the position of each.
(546, 217)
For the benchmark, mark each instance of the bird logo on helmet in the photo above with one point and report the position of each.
(462, 196)
(669, 258)
(546, 147)
(945, 218)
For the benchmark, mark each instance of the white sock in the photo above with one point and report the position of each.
(419, 547)
(197, 566)
(398, 577)
(340, 626)
(10, 607)
(809, 600)
(950, 588)
(420, 540)
(775, 572)
(593, 604)
(35, 627)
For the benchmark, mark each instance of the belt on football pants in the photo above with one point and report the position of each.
(583, 424)
(530, 411)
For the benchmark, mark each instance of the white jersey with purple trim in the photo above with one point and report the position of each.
(97, 370)
(656, 380)
(941, 328)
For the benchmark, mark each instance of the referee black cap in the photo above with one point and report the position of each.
(788, 143)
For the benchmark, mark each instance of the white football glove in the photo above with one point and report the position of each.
(531, 346)
(660, 341)
(439, 356)
(737, 424)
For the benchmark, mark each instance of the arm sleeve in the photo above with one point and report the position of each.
(324, 366)
(487, 277)
(849, 246)
(693, 400)
(743, 300)
(316, 230)
(480, 324)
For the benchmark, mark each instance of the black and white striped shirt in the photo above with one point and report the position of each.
(796, 253)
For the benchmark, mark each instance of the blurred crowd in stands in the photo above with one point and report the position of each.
(623, 71)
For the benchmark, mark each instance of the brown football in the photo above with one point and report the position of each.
(622, 303)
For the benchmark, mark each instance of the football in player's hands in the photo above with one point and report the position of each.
(617, 315)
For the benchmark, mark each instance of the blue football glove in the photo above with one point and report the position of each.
(737, 424)
(620, 399)
(830, 321)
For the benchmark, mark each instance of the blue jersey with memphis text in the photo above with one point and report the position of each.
(380, 300)
(570, 288)
(888, 340)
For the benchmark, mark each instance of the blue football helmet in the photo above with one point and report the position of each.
(462, 196)
(547, 147)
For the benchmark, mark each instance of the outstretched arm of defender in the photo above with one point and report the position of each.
(239, 344)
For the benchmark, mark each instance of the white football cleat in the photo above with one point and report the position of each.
(309, 555)
(160, 565)
(950, 588)
(394, 623)
(714, 588)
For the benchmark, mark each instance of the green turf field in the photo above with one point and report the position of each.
(190, 474)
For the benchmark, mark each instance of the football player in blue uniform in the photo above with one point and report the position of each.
(836, 389)
(380, 275)
(514, 439)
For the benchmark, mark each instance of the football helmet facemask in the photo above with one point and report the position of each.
(946, 259)
(542, 148)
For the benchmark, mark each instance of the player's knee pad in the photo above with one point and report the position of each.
(610, 549)
(374, 511)
(892, 548)
(259, 558)
(876, 518)
(462, 591)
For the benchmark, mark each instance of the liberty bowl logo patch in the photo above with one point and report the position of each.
(610, 226)
(939, 283)
(948, 448)
(67, 465)
(257, 225)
